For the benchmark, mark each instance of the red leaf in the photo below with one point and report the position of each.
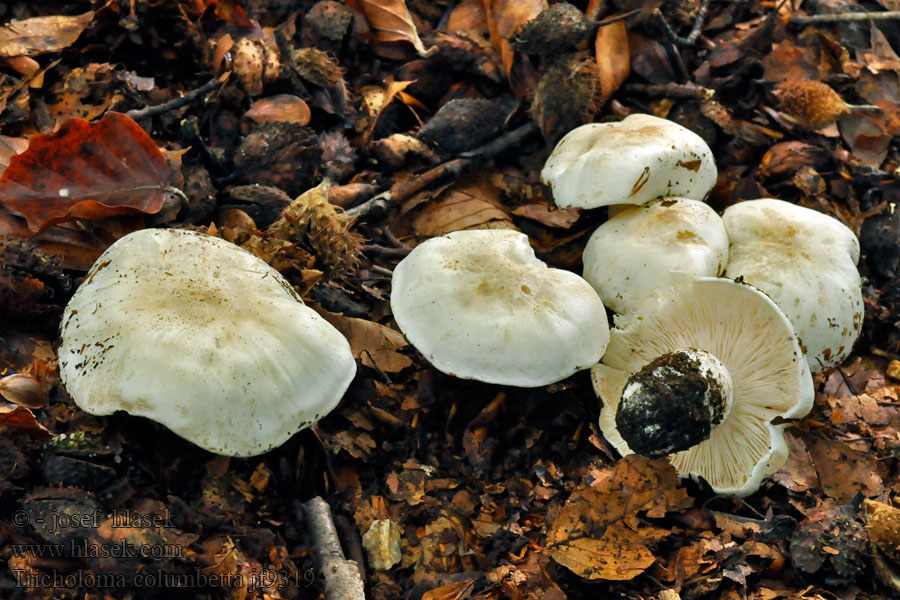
(86, 171)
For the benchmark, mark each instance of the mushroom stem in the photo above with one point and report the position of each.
(674, 402)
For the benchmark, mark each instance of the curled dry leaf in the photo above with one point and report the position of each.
(392, 22)
(23, 390)
(19, 417)
(283, 107)
(9, 147)
(613, 57)
(466, 205)
(505, 18)
(87, 171)
(38, 35)
(376, 345)
(598, 534)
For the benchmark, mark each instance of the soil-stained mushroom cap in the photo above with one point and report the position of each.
(480, 305)
(203, 337)
(633, 161)
(806, 262)
(752, 339)
(638, 250)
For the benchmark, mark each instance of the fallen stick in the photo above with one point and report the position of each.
(850, 17)
(450, 169)
(187, 98)
(342, 576)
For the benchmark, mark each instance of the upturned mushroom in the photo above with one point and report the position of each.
(806, 262)
(480, 305)
(645, 248)
(699, 373)
(633, 161)
(203, 337)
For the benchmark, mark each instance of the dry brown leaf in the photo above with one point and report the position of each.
(9, 147)
(560, 218)
(392, 22)
(598, 534)
(452, 591)
(376, 99)
(38, 35)
(504, 18)
(613, 57)
(376, 345)
(468, 205)
(283, 107)
(842, 470)
(19, 417)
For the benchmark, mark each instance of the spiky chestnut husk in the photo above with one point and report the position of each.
(553, 31)
(338, 156)
(883, 527)
(568, 94)
(812, 103)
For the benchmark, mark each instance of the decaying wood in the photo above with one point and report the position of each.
(342, 576)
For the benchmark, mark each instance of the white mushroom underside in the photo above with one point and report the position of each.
(203, 337)
(480, 305)
(754, 340)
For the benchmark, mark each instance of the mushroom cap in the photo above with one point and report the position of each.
(806, 262)
(480, 305)
(745, 330)
(203, 337)
(641, 248)
(633, 161)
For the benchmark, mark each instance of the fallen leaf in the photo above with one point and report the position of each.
(376, 345)
(23, 390)
(86, 171)
(452, 591)
(467, 205)
(842, 470)
(38, 35)
(598, 534)
(283, 107)
(613, 58)
(504, 18)
(559, 218)
(392, 22)
(19, 417)
(9, 147)
(376, 99)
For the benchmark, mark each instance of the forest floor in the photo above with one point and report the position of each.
(459, 488)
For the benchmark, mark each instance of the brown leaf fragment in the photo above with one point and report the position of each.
(86, 171)
(20, 417)
(799, 473)
(283, 107)
(31, 37)
(9, 147)
(598, 533)
(472, 204)
(505, 18)
(392, 22)
(23, 390)
(613, 57)
(376, 345)
(842, 470)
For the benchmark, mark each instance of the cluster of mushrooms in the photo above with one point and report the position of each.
(720, 321)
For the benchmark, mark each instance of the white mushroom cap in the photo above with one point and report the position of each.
(636, 160)
(806, 261)
(752, 338)
(203, 337)
(638, 250)
(480, 305)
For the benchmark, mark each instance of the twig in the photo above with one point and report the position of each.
(377, 249)
(342, 577)
(848, 17)
(694, 33)
(451, 169)
(187, 98)
(679, 91)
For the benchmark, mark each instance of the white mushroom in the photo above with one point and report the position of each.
(642, 248)
(633, 161)
(203, 337)
(480, 305)
(699, 373)
(806, 261)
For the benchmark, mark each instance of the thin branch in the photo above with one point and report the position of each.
(342, 577)
(451, 169)
(678, 91)
(694, 33)
(174, 103)
(848, 17)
